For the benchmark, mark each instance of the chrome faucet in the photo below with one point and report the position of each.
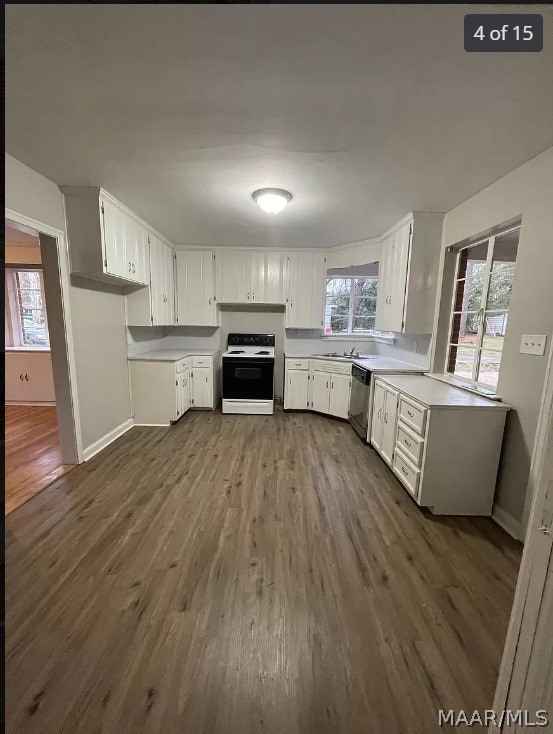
(352, 353)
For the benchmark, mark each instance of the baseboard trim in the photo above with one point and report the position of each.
(37, 403)
(105, 441)
(507, 522)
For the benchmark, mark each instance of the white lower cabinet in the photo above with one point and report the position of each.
(163, 391)
(442, 443)
(322, 386)
(296, 391)
(340, 388)
(384, 420)
(202, 387)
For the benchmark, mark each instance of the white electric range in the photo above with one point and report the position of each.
(248, 374)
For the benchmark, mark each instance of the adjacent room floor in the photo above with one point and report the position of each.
(245, 574)
(32, 450)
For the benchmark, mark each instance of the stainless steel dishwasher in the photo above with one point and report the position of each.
(359, 400)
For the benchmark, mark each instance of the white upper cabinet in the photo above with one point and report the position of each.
(107, 241)
(232, 277)
(306, 282)
(408, 274)
(162, 289)
(267, 277)
(195, 288)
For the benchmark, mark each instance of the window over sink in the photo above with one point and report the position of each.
(350, 307)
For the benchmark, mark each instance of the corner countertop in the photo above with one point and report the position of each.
(374, 363)
(172, 355)
(437, 394)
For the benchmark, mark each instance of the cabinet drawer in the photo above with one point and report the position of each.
(338, 368)
(413, 414)
(297, 364)
(410, 444)
(201, 361)
(408, 475)
(182, 364)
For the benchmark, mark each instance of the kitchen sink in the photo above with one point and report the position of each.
(347, 357)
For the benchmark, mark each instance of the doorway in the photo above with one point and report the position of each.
(40, 439)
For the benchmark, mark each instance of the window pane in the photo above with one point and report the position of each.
(28, 279)
(338, 323)
(364, 306)
(363, 323)
(464, 328)
(33, 328)
(369, 287)
(31, 299)
(472, 267)
(488, 370)
(338, 286)
(461, 361)
(503, 271)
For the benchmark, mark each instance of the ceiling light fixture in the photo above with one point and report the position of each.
(272, 201)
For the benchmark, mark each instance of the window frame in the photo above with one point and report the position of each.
(349, 332)
(473, 382)
(13, 309)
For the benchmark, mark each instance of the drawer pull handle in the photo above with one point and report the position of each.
(403, 470)
(406, 442)
(411, 415)
(297, 364)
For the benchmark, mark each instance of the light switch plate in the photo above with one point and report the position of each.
(533, 344)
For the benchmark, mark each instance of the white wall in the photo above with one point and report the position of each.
(527, 192)
(97, 312)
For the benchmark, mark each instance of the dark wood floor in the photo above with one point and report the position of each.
(241, 574)
(32, 451)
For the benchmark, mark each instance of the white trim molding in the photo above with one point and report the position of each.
(508, 523)
(65, 285)
(105, 441)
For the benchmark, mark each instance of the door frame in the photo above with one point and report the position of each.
(534, 566)
(70, 418)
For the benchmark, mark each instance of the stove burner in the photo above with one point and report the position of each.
(237, 351)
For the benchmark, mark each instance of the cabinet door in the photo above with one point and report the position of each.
(195, 289)
(389, 415)
(232, 276)
(383, 296)
(186, 391)
(275, 291)
(320, 395)
(296, 394)
(157, 280)
(258, 277)
(305, 290)
(377, 420)
(113, 223)
(179, 393)
(398, 284)
(141, 258)
(169, 289)
(202, 387)
(340, 388)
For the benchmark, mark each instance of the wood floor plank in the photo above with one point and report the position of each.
(237, 574)
(32, 452)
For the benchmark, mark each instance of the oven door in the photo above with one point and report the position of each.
(248, 378)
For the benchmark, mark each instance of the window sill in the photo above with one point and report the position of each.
(26, 349)
(480, 391)
(359, 337)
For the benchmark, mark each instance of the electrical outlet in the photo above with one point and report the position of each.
(533, 344)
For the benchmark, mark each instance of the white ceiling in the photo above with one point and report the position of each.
(363, 112)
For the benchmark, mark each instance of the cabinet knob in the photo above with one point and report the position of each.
(27, 377)
(386, 418)
(406, 442)
(21, 377)
(403, 470)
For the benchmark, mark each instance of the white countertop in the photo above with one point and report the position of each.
(437, 394)
(374, 363)
(172, 355)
